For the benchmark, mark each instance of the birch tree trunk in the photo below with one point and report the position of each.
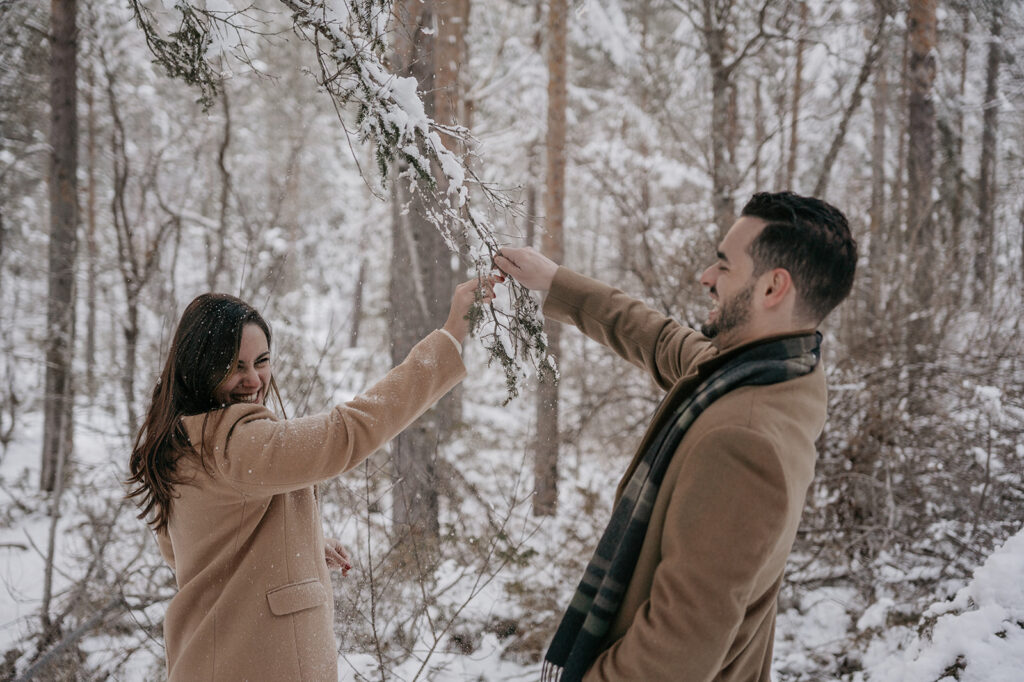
(63, 187)
(545, 497)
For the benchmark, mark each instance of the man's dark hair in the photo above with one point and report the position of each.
(809, 238)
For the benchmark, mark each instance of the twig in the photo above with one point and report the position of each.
(71, 638)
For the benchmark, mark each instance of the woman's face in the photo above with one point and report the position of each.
(250, 378)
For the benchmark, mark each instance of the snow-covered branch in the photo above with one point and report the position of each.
(349, 40)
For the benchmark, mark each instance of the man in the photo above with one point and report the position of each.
(684, 581)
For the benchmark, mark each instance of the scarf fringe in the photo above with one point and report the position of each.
(550, 672)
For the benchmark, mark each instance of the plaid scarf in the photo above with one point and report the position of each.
(577, 641)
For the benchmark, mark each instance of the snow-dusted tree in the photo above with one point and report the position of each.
(349, 41)
(421, 283)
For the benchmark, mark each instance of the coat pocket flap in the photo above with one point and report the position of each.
(296, 597)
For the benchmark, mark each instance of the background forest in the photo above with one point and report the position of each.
(619, 136)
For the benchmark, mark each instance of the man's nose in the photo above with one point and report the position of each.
(707, 277)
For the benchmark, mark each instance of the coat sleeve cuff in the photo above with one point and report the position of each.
(458, 345)
(563, 297)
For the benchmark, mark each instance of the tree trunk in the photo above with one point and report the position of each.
(724, 114)
(92, 250)
(414, 451)
(532, 190)
(760, 135)
(780, 101)
(63, 186)
(921, 31)
(131, 345)
(216, 244)
(452, 19)
(357, 306)
(900, 179)
(877, 238)
(960, 187)
(450, 108)
(530, 224)
(795, 113)
(1020, 220)
(722, 182)
(545, 463)
(984, 257)
(419, 292)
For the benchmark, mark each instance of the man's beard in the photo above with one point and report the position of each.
(731, 314)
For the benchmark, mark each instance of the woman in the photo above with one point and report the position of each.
(228, 488)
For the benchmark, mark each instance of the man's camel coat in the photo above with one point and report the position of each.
(701, 603)
(254, 597)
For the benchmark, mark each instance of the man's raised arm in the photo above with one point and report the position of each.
(636, 332)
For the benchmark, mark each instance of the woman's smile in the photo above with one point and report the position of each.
(248, 380)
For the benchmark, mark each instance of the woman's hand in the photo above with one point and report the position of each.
(336, 556)
(464, 297)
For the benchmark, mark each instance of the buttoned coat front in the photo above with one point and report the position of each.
(254, 597)
(701, 603)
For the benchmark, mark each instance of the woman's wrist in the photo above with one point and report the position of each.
(458, 342)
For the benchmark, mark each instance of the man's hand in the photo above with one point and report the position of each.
(533, 270)
(336, 556)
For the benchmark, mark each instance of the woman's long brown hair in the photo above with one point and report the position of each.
(203, 353)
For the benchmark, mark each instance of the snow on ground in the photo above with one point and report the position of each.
(22, 536)
(25, 525)
(811, 635)
(978, 636)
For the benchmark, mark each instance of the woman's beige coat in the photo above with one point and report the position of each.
(254, 597)
(701, 602)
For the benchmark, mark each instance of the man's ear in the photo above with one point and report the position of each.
(778, 284)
